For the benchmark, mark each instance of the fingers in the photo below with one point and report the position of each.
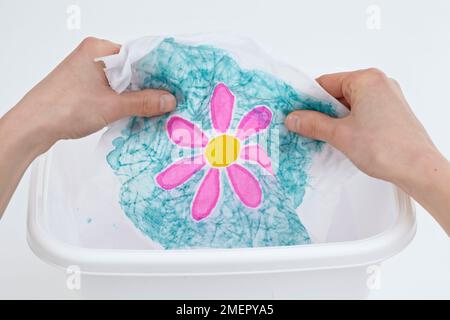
(346, 86)
(107, 47)
(333, 82)
(345, 102)
(98, 47)
(339, 86)
(314, 125)
(145, 103)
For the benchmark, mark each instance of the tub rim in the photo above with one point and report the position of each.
(185, 262)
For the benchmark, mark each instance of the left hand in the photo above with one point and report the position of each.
(75, 99)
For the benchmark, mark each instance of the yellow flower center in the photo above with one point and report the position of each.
(222, 150)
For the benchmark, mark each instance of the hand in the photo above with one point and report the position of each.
(381, 136)
(73, 101)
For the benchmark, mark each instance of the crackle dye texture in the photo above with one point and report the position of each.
(191, 72)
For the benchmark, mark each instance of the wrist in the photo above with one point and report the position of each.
(24, 134)
(428, 184)
(424, 170)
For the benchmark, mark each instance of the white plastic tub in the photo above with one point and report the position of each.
(373, 222)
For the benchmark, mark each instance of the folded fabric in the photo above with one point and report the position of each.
(221, 171)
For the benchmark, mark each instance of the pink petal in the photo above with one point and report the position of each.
(207, 195)
(245, 185)
(222, 102)
(257, 154)
(255, 121)
(179, 172)
(185, 134)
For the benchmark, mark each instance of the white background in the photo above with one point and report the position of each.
(412, 46)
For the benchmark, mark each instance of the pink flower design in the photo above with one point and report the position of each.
(221, 152)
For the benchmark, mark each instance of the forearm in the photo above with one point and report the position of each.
(19, 145)
(428, 182)
(73, 101)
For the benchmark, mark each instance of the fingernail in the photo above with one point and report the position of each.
(167, 102)
(293, 122)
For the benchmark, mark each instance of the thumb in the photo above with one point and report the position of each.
(146, 103)
(314, 125)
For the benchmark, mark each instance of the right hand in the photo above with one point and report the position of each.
(382, 137)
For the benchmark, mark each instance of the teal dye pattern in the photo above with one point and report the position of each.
(144, 149)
